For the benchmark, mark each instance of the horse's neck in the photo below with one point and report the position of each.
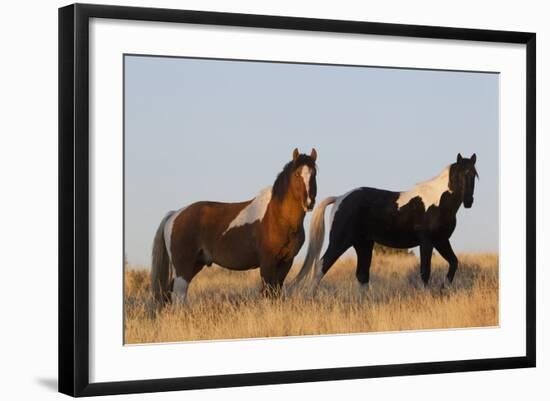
(454, 203)
(288, 211)
(457, 195)
(432, 191)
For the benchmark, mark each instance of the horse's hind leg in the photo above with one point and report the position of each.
(364, 258)
(426, 249)
(179, 290)
(334, 251)
(185, 271)
(445, 250)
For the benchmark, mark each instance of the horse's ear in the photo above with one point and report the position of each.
(458, 158)
(473, 158)
(295, 154)
(313, 154)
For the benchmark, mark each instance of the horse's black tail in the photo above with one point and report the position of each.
(160, 267)
(316, 238)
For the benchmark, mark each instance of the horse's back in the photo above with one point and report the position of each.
(202, 227)
(373, 213)
(366, 199)
(376, 214)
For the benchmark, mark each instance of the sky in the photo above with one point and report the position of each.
(222, 130)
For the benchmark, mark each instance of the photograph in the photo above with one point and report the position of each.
(277, 199)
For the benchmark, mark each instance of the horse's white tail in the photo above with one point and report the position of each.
(160, 267)
(316, 238)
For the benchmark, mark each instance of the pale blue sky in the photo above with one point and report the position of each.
(222, 130)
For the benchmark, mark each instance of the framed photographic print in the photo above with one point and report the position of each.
(277, 199)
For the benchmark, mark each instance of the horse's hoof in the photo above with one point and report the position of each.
(312, 292)
(446, 284)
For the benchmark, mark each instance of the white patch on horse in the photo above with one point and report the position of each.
(254, 211)
(179, 291)
(306, 176)
(168, 227)
(430, 191)
(172, 269)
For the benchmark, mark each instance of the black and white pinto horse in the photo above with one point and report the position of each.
(424, 216)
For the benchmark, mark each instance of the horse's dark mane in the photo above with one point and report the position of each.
(282, 181)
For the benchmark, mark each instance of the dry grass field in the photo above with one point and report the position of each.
(224, 304)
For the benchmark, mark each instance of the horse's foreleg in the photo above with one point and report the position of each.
(273, 275)
(426, 249)
(282, 272)
(268, 273)
(364, 258)
(444, 248)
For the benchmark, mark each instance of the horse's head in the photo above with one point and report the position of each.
(463, 178)
(303, 181)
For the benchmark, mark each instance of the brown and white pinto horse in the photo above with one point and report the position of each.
(265, 232)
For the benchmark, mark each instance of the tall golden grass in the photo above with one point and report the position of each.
(224, 304)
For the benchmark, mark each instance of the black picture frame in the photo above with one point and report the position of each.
(74, 198)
